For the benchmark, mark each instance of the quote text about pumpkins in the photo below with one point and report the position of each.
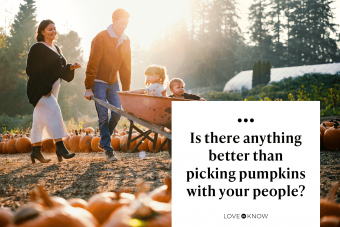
(258, 156)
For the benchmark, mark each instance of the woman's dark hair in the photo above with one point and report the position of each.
(43, 24)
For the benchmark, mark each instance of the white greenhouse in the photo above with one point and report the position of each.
(244, 78)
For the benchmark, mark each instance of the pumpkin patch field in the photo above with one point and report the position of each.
(329, 155)
(86, 180)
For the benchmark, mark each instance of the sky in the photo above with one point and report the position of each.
(89, 17)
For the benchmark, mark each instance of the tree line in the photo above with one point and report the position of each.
(207, 47)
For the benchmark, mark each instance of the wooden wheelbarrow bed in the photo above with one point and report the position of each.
(156, 110)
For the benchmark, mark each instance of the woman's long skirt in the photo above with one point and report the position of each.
(47, 118)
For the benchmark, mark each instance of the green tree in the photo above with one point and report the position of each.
(14, 57)
(277, 14)
(259, 29)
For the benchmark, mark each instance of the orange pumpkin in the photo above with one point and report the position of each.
(144, 145)
(85, 143)
(103, 204)
(77, 202)
(74, 142)
(6, 217)
(48, 146)
(158, 144)
(143, 210)
(115, 143)
(67, 142)
(4, 147)
(330, 221)
(95, 144)
(89, 130)
(123, 142)
(6, 136)
(10, 145)
(165, 147)
(52, 215)
(328, 207)
(162, 193)
(1, 147)
(23, 145)
(331, 138)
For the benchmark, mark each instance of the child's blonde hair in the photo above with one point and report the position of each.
(176, 80)
(158, 70)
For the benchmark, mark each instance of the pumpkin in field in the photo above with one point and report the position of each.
(67, 141)
(103, 204)
(328, 123)
(162, 193)
(1, 147)
(95, 144)
(77, 202)
(143, 211)
(4, 147)
(90, 130)
(48, 146)
(144, 145)
(115, 142)
(158, 144)
(165, 147)
(328, 206)
(10, 145)
(23, 145)
(323, 128)
(331, 138)
(330, 221)
(85, 143)
(123, 142)
(74, 142)
(6, 136)
(53, 215)
(6, 217)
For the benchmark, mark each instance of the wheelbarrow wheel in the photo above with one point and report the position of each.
(169, 147)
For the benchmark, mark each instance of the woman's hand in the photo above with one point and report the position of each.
(164, 93)
(75, 66)
(49, 94)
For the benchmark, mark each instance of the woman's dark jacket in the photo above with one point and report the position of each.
(44, 68)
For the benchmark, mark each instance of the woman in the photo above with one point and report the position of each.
(46, 66)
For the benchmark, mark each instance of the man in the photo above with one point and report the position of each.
(110, 54)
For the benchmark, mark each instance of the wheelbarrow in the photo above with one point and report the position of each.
(151, 112)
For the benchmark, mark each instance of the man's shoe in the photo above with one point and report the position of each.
(111, 157)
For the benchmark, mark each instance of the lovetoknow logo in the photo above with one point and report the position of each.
(246, 216)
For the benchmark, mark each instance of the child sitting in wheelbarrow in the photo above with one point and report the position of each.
(155, 81)
(177, 88)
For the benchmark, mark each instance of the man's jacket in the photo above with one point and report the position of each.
(109, 55)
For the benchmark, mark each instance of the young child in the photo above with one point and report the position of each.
(155, 80)
(177, 88)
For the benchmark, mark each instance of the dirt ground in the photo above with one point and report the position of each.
(329, 171)
(80, 177)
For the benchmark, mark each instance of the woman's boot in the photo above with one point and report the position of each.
(36, 154)
(62, 152)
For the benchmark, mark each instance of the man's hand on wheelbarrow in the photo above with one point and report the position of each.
(88, 93)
